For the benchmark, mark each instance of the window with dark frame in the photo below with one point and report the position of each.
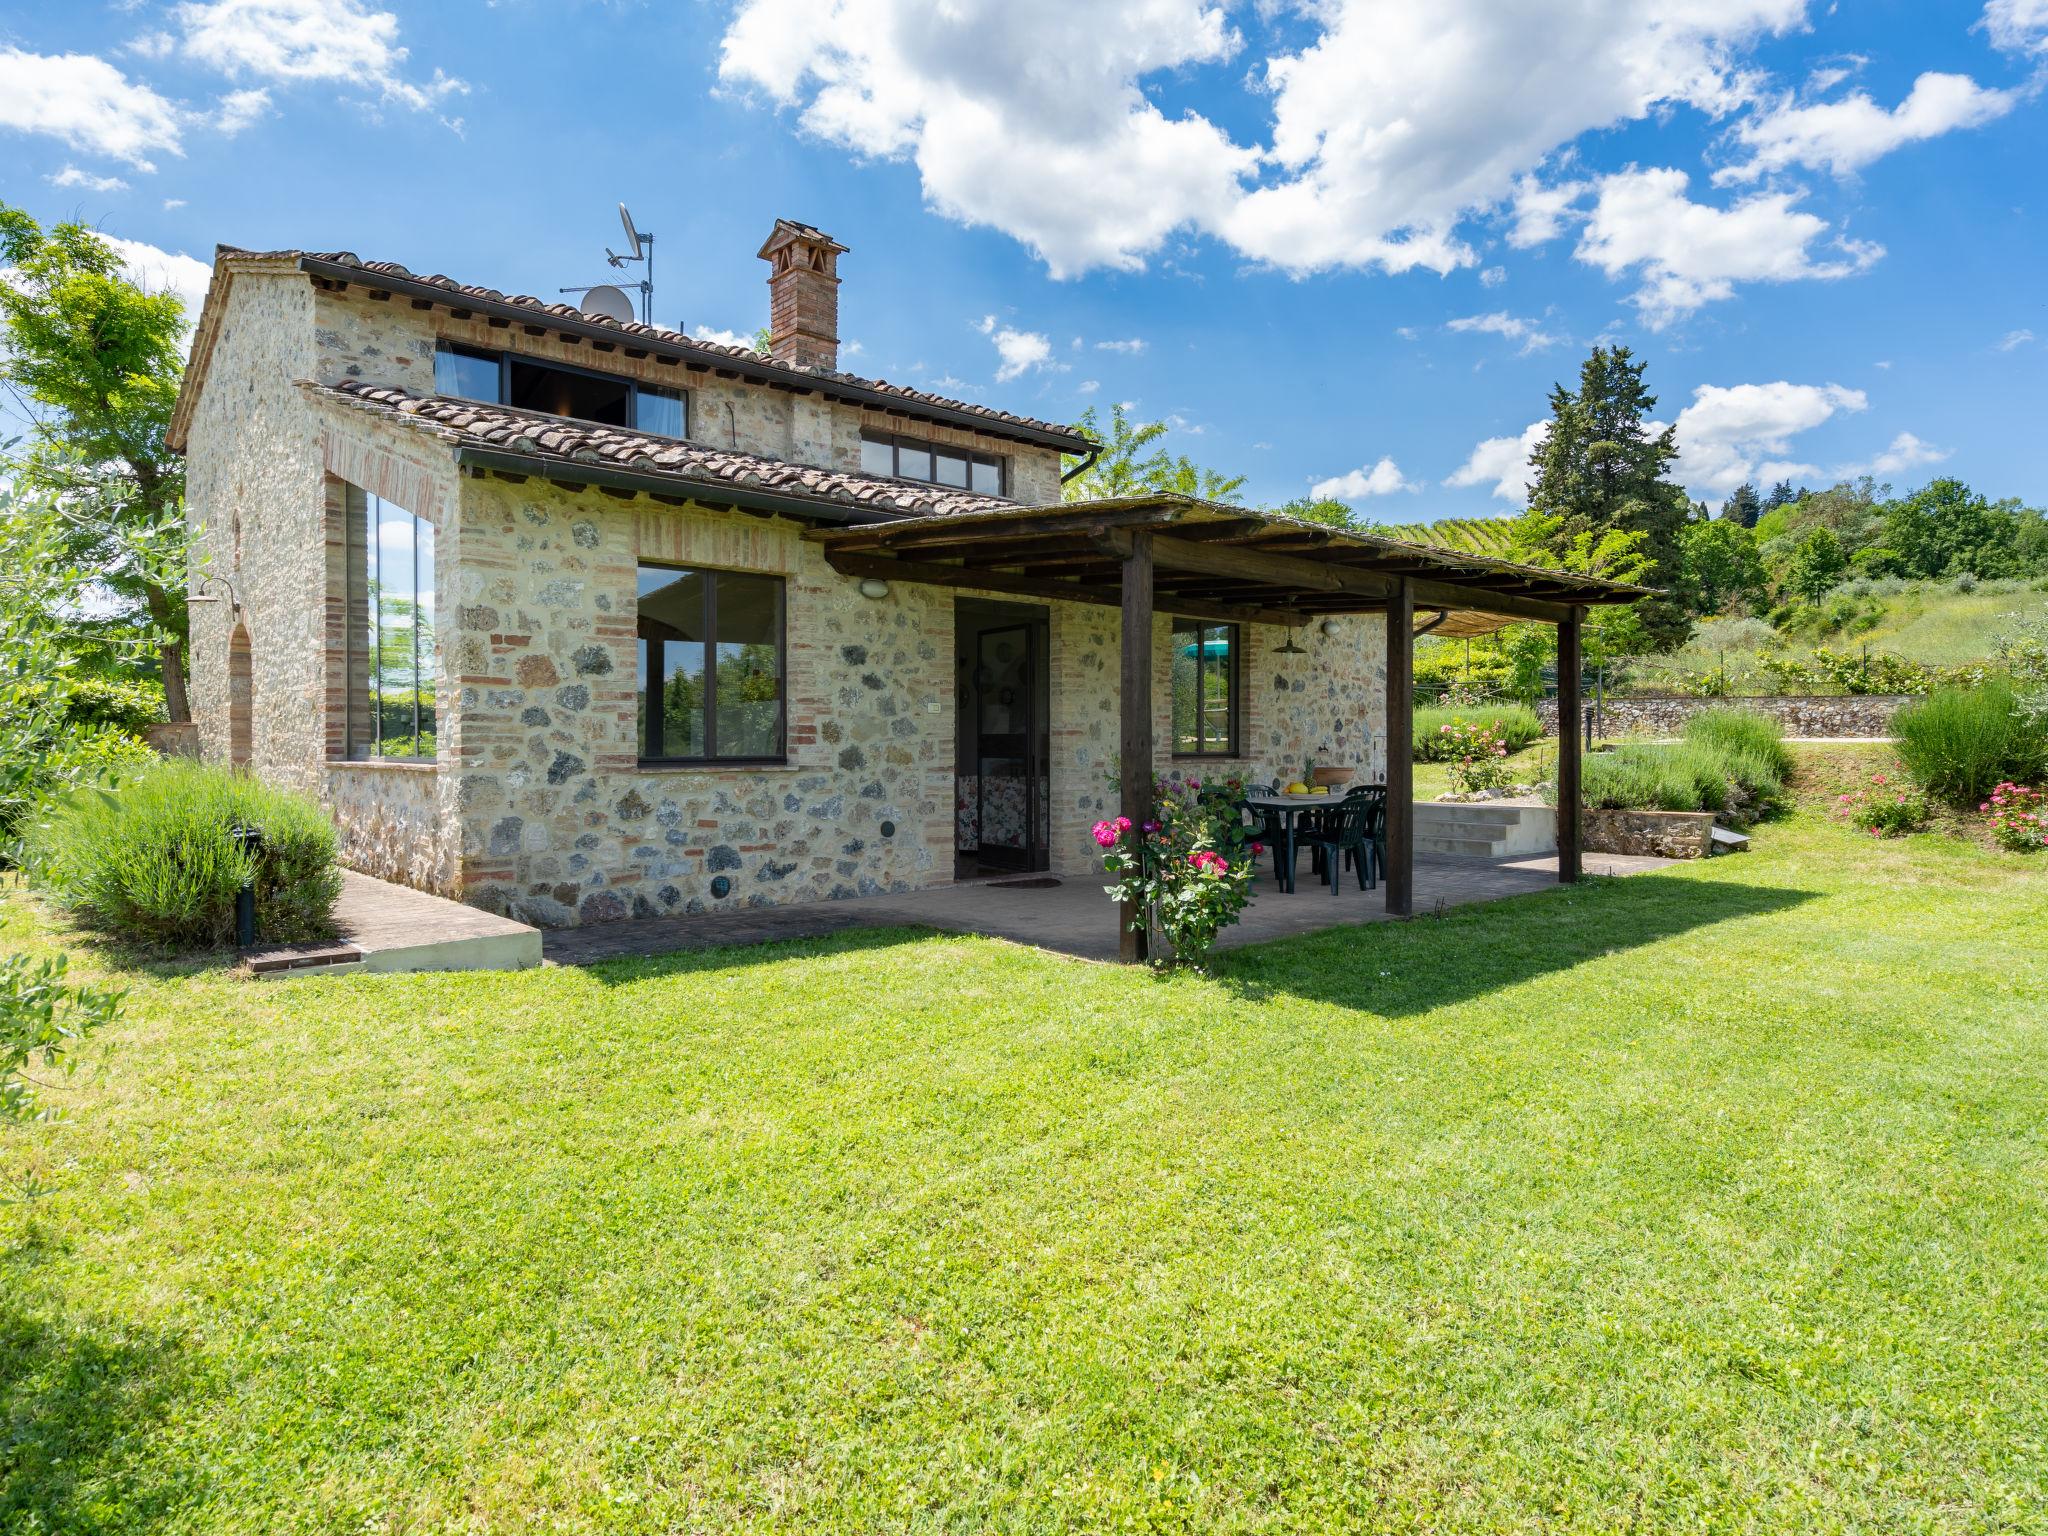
(1205, 689)
(917, 458)
(505, 378)
(712, 666)
(389, 600)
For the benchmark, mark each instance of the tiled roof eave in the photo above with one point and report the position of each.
(581, 453)
(877, 394)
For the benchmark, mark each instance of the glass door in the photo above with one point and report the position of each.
(1008, 736)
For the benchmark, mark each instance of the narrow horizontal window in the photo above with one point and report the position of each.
(471, 373)
(916, 458)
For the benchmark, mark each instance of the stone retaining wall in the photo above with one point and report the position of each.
(1848, 717)
(1662, 834)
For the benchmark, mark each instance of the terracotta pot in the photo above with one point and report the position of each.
(1335, 776)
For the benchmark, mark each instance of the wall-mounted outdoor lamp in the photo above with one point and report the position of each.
(874, 587)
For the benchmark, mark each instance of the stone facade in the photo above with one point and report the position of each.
(1849, 718)
(1662, 834)
(537, 804)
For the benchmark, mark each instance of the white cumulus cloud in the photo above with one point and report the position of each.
(1387, 130)
(1729, 434)
(2012, 341)
(1504, 461)
(89, 104)
(241, 109)
(1003, 127)
(1529, 333)
(1844, 135)
(332, 42)
(2017, 26)
(1905, 452)
(1020, 351)
(72, 176)
(1688, 254)
(1381, 479)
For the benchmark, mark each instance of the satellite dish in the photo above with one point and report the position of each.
(608, 301)
(632, 234)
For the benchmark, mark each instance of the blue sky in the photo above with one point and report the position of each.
(1350, 243)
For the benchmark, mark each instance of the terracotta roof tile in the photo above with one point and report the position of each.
(477, 424)
(653, 334)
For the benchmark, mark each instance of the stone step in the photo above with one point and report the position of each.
(1468, 810)
(1462, 826)
(1430, 842)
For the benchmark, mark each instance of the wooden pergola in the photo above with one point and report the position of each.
(1200, 559)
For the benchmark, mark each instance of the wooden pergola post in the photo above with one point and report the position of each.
(1135, 703)
(1400, 871)
(1569, 710)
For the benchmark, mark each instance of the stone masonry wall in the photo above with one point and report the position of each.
(1329, 702)
(560, 823)
(1849, 717)
(252, 510)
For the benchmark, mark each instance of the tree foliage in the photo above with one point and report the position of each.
(1723, 568)
(1123, 467)
(95, 363)
(1601, 468)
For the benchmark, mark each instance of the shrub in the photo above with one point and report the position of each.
(153, 858)
(1441, 730)
(1961, 742)
(1731, 761)
(1644, 778)
(1174, 873)
(1883, 807)
(123, 704)
(2019, 817)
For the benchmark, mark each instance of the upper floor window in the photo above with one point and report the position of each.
(917, 458)
(470, 373)
(391, 649)
(1204, 689)
(711, 666)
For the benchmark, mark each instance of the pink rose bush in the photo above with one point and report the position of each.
(1882, 808)
(2019, 817)
(1188, 871)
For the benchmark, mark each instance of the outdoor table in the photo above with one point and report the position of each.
(1290, 808)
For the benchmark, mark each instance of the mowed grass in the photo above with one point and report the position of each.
(1708, 1200)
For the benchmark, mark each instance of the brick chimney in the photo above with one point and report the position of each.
(803, 295)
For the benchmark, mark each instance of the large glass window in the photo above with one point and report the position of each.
(711, 666)
(472, 373)
(391, 651)
(1204, 689)
(914, 458)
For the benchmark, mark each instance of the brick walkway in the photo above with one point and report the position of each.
(1073, 917)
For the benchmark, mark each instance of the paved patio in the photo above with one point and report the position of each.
(382, 927)
(1073, 917)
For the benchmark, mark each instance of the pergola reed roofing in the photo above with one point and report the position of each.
(1211, 560)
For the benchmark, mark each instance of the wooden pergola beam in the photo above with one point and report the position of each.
(974, 579)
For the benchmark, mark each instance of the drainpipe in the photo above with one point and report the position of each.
(1087, 463)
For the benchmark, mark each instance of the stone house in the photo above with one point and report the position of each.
(546, 608)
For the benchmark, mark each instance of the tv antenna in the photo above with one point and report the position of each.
(639, 247)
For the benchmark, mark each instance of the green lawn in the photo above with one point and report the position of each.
(1709, 1200)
